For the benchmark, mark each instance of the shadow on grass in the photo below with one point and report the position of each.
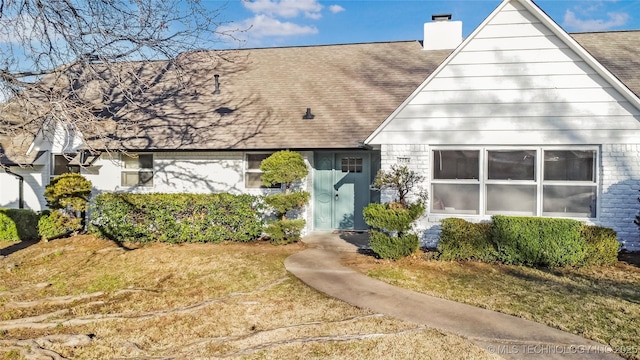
(17, 247)
(573, 281)
(631, 258)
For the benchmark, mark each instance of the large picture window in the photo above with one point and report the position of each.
(137, 170)
(530, 181)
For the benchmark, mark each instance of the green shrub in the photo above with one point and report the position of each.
(391, 218)
(463, 240)
(602, 245)
(68, 191)
(281, 203)
(535, 241)
(282, 232)
(284, 167)
(390, 223)
(18, 225)
(393, 247)
(56, 224)
(177, 218)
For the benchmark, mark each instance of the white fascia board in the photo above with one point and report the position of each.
(446, 61)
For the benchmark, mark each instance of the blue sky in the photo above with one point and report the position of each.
(314, 22)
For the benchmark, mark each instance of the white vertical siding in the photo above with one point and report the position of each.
(514, 82)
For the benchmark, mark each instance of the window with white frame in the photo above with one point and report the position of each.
(511, 181)
(252, 172)
(456, 181)
(60, 164)
(137, 170)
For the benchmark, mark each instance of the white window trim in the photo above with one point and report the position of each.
(538, 181)
(138, 170)
(245, 158)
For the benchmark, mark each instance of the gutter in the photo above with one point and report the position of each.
(20, 187)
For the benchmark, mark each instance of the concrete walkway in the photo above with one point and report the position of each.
(508, 336)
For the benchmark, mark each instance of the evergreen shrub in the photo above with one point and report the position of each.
(536, 241)
(602, 245)
(177, 218)
(18, 224)
(463, 240)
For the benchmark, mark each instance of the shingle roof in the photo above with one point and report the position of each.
(618, 51)
(264, 93)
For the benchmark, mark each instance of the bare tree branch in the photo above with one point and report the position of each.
(75, 63)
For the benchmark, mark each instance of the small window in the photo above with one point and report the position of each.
(60, 165)
(138, 170)
(253, 174)
(352, 164)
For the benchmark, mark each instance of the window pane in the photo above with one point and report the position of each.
(569, 200)
(351, 164)
(455, 164)
(60, 165)
(145, 161)
(569, 165)
(130, 162)
(145, 178)
(252, 180)
(129, 179)
(455, 198)
(254, 160)
(511, 199)
(512, 165)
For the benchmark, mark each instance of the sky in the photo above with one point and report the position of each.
(273, 23)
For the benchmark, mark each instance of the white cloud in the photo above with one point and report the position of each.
(285, 8)
(336, 9)
(263, 26)
(614, 19)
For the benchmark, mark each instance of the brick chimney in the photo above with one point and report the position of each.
(442, 33)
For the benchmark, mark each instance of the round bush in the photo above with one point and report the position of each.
(391, 247)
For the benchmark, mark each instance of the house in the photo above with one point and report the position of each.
(519, 118)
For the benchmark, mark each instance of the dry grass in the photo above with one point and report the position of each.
(188, 301)
(599, 303)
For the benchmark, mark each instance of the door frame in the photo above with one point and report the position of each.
(323, 195)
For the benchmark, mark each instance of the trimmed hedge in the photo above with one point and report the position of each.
(463, 240)
(18, 224)
(531, 241)
(176, 218)
(602, 245)
(536, 241)
(393, 247)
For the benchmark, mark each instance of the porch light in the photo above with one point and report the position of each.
(308, 115)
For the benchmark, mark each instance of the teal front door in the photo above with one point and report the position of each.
(341, 190)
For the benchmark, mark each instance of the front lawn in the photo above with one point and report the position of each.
(600, 303)
(86, 298)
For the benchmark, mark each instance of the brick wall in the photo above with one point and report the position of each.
(620, 182)
(618, 204)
